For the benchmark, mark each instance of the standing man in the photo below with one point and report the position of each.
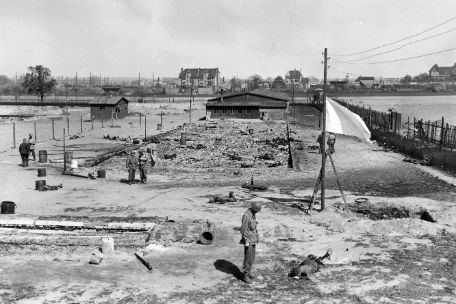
(331, 143)
(249, 238)
(132, 165)
(142, 161)
(32, 143)
(320, 142)
(24, 151)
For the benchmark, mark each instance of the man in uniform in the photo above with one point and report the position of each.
(320, 142)
(32, 142)
(132, 165)
(142, 161)
(331, 142)
(24, 151)
(249, 239)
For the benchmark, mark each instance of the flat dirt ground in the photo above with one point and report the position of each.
(376, 258)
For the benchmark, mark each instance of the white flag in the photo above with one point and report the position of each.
(341, 120)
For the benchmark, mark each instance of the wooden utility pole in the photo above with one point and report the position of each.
(323, 154)
(64, 162)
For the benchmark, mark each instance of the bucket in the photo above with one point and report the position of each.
(107, 245)
(74, 164)
(41, 172)
(42, 156)
(68, 157)
(8, 207)
(183, 140)
(206, 238)
(159, 127)
(101, 173)
(40, 183)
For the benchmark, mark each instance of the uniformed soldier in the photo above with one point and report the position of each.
(32, 143)
(249, 239)
(132, 165)
(331, 142)
(142, 161)
(320, 142)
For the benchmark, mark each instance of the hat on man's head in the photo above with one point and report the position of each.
(255, 206)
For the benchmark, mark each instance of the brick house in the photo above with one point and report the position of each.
(294, 77)
(437, 72)
(199, 78)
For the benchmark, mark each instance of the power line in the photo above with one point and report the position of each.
(398, 48)
(414, 57)
(400, 40)
(347, 73)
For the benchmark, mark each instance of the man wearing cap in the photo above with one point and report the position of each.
(249, 235)
(132, 165)
(142, 161)
(24, 150)
(31, 143)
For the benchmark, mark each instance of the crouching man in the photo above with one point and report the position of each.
(249, 239)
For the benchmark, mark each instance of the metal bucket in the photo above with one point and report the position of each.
(40, 183)
(42, 156)
(101, 173)
(8, 207)
(206, 238)
(41, 172)
(74, 164)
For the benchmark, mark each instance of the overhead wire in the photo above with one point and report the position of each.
(398, 48)
(413, 57)
(397, 41)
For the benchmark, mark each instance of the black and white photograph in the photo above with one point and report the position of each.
(227, 151)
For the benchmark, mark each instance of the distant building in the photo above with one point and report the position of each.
(293, 77)
(442, 72)
(106, 108)
(199, 78)
(247, 105)
(366, 82)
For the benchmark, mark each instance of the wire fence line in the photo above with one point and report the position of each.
(432, 142)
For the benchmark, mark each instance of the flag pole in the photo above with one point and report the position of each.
(323, 152)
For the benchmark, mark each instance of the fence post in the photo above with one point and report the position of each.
(64, 162)
(102, 121)
(145, 126)
(53, 134)
(14, 135)
(422, 131)
(140, 119)
(441, 132)
(68, 125)
(34, 131)
(414, 126)
(91, 120)
(81, 123)
(370, 118)
(408, 126)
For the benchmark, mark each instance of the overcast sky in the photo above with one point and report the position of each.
(269, 37)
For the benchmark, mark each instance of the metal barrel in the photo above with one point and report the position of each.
(101, 173)
(8, 207)
(42, 156)
(183, 140)
(40, 183)
(41, 172)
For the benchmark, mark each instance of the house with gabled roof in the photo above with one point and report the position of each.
(248, 105)
(293, 77)
(109, 107)
(442, 72)
(199, 78)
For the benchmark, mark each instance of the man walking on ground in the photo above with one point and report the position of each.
(331, 143)
(249, 235)
(32, 142)
(132, 165)
(24, 151)
(142, 160)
